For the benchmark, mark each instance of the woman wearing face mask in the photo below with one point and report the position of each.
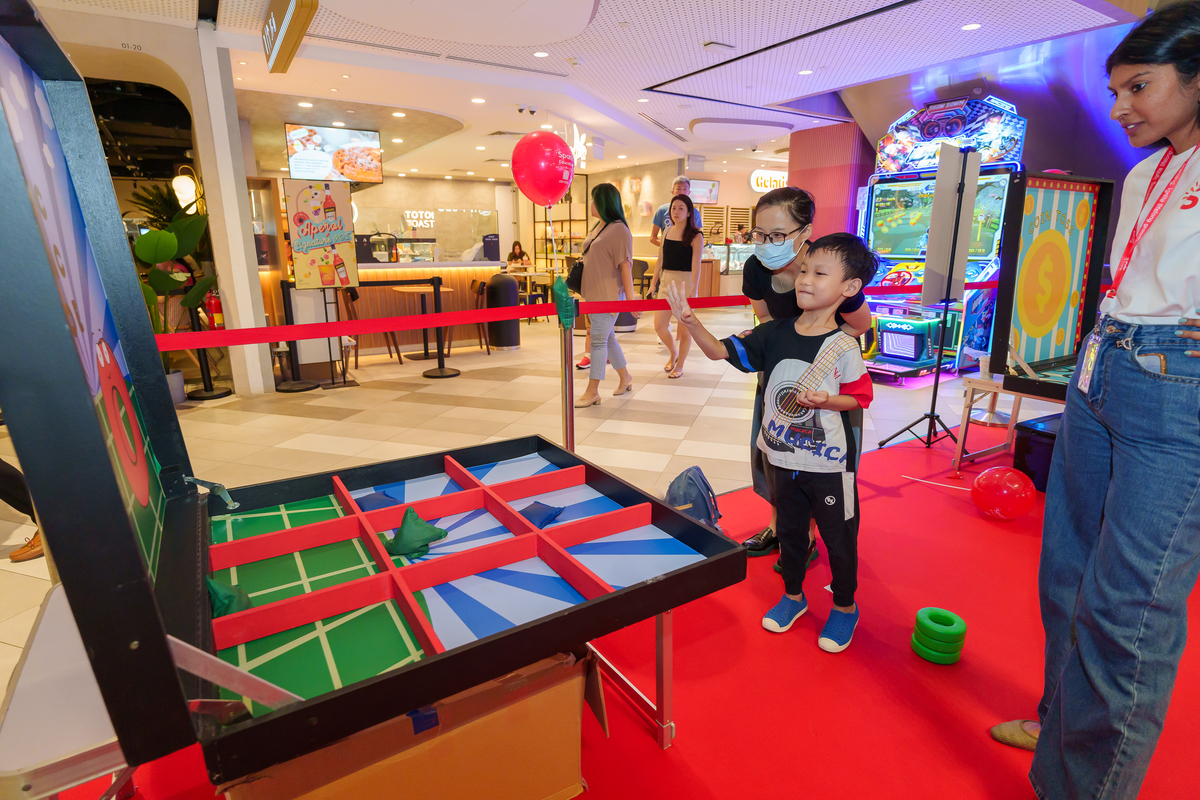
(782, 226)
(1121, 533)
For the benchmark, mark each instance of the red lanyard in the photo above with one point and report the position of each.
(1136, 235)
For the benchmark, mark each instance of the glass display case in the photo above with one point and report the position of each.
(456, 230)
(731, 256)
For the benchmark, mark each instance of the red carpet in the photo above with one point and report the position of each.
(762, 715)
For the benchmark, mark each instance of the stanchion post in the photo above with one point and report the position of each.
(568, 387)
(440, 371)
(208, 392)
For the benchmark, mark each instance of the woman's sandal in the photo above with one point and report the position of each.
(670, 365)
(624, 389)
(586, 403)
(677, 372)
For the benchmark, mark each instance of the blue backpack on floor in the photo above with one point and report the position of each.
(692, 494)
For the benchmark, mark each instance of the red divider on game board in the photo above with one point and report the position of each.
(507, 516)
(292, 612)
(461, 475)
(422, 628)
(586, 582)
(444, 505)
(366, 531)
(437, 571)
(570, 534)
(518, 488)
(281, 543)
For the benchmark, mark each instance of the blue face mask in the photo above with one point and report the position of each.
(775, 256)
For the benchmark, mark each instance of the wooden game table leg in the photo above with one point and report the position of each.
(961, 447)
(660, 714)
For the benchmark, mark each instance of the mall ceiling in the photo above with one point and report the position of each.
(651, 70)
(146, 131)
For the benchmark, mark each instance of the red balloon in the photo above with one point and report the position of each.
(1003, 493)
(543, 166)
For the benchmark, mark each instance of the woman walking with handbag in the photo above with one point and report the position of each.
(607, 274)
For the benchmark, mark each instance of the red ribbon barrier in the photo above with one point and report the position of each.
(233, 337)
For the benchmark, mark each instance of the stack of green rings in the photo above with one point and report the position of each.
(939, 635)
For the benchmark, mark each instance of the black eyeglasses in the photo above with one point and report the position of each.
(775, 237)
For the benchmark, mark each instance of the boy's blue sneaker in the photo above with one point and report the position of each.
(838, 630)
(785, 613)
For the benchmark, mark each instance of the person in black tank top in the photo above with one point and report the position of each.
(678, 262)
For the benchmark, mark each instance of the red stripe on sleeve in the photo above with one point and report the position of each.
(861, 390)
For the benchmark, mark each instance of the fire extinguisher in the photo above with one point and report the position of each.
(213, 305)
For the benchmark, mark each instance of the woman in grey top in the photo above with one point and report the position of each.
(607, 275)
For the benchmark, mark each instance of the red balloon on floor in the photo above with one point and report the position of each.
(1003, 493)
(542, 166)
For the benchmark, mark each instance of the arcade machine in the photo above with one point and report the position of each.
(1047, 300)
(903, 342)
(347, 631)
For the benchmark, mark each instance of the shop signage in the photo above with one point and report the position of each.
(321, 234)
(419, 219)
(764, 180)
(283, 29)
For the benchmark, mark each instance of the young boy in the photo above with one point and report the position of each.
(815, 377)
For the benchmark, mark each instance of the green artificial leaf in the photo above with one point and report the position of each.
(164, 282)
(188, 231)
(195, 295)
(151, 299)
(155, 247)
(563, 303)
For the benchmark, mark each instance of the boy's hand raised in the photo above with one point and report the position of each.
(679, 304)
(812, 399)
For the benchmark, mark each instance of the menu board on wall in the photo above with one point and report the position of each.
(322, 234)
(333, 154)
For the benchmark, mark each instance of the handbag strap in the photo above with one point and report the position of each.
(592, 241)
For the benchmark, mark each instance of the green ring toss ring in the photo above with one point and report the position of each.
(942, 625)
(935, 645)
(932, 656)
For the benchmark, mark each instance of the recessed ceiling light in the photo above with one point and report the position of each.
(588, 144)
(504, 164)
(480, 147)
(399, 174)
(806, 72)
(540, 54)
(470, 173)
(345, 76)
(621, 156)
(243, 63)
(413, 169)
(724, 170)
(239, 79)
(478, 100)
(283, 169)
(397, 141)
(339, 124)
(305, 105)
(739, 148)
(679, 129)
(448, 177)
(333, 90)
(547, 127)
(349, 111)
(491, 179)
(397, 113)
(643, 100)
(974, 26)
(724, 162)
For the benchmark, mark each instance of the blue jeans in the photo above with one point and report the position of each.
(603, 343)
(1120, 555)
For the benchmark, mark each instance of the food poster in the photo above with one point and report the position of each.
(85, 305)
(334, 154)
(322, 234)
(1057, 226)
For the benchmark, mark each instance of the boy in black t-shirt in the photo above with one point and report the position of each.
(815, 376)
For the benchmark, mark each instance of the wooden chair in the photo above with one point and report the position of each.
(479, 302)
(640, 268)
(389, 337)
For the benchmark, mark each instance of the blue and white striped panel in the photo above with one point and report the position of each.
(471, 608)
(579, 502)
(633, 556)
(511, 469)
(409, 491)
(465, 531)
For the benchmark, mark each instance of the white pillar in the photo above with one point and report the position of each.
(224, 177)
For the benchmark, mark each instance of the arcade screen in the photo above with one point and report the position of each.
(333, 154)
(900, 215)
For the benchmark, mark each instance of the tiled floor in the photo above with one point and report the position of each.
(646, 437)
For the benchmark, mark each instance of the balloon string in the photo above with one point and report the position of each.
(553, 241)
(931, 483)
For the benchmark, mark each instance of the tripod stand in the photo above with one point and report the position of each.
(931, 416)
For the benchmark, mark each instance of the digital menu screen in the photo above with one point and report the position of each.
(704, 191)
(333, 154)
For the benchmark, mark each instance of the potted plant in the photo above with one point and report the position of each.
(170, 245)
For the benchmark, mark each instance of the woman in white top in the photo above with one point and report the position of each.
(1121, 534)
